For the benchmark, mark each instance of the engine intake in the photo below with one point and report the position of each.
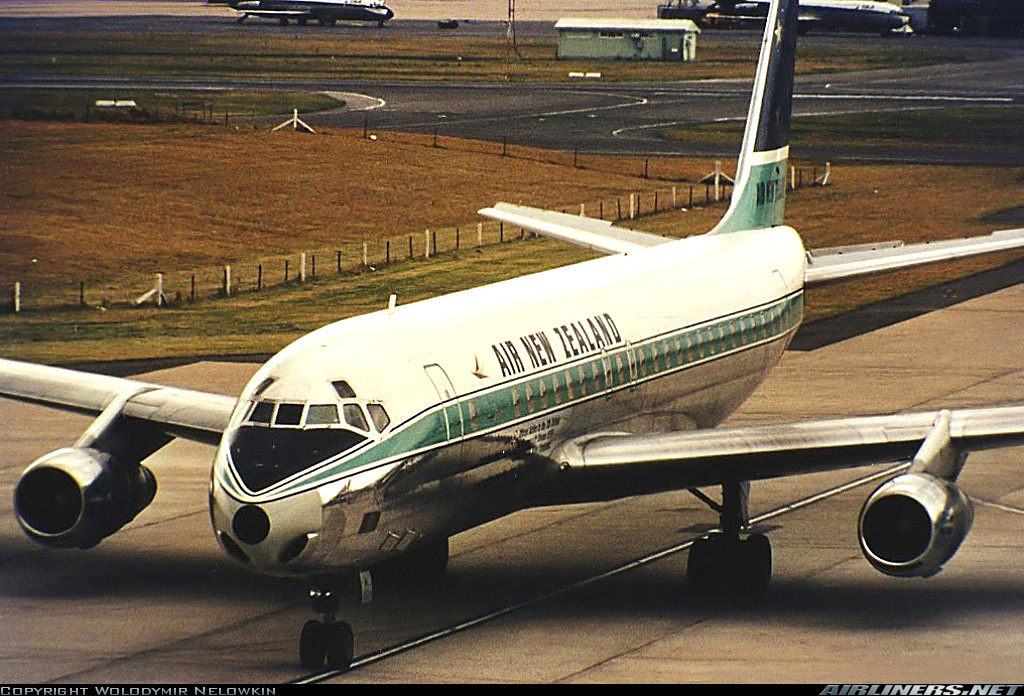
(911, 525)
(74, 497)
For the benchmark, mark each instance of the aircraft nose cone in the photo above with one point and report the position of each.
(269, 535)
(250, 524)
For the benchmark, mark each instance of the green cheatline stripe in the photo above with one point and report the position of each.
(533, 397)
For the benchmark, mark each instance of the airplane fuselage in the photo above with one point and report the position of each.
(323, 11)
(839, 15)
(477, 390)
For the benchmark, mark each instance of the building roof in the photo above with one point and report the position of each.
(675, 25)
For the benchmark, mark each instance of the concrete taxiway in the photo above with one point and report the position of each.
(158, 602)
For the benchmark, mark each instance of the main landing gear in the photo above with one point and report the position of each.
(328, 640)
(725, 562)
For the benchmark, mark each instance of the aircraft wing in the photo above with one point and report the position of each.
(593, 233)
(843, 263)
(187, 413)
(706, 457)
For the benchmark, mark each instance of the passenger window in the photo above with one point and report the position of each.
(344, 391)
(288, 414)
(262, 412)
(322, 414)
(379, 416)
(354, 417)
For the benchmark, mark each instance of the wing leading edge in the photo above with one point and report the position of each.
(186, 413)
(706, 457)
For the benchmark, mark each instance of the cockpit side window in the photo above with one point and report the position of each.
(262, 412)
(354, 417)
(322, 414)
(288, 414)
(379, 416)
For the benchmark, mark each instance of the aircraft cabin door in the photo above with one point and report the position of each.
(446, 394)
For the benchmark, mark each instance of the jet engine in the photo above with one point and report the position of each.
(912, 524)
(76, 496)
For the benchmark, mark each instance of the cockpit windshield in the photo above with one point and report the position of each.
(279, 439)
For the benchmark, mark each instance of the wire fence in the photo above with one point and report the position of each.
(183, 287)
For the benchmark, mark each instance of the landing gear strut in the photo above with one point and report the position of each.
(328, 640)
(725, 562)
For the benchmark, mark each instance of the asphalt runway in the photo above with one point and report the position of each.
(158, 601)
(593, 116)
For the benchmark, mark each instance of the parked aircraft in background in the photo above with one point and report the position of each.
(374, 439)
(815, 15)
(325, 12)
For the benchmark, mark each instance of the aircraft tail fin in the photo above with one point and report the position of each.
(759, 197)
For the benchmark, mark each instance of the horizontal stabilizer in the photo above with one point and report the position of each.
(833, 265)
(593, 233)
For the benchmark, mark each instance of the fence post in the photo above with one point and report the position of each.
(792, 178)
(691, 196)
(600, 209)
(501, 231)
(632, 206)
(673, 196)
(456, 239)
(718, 180)
(410, 246)
(426, 244)
(17, 297)
(479, 234)
(192, 289)
(302, 267)
(81, 293)
(655, 202)
(337, 254)
(387, 251)
(583, 209)
(286, 270)
(366, 254)
(433, 239)
(618, 208)
(227, 282)
(259, 277)
(159, 289)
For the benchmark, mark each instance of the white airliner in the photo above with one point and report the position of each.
(326, 12)
(380, 436)
(815, 15)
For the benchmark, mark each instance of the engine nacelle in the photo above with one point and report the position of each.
(74, 497)
(911, 525)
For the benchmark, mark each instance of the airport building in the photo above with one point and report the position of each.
(627, 39)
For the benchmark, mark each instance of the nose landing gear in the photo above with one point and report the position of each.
(329, 640)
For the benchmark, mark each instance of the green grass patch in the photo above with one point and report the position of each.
(981, 127)
(320, 54)
(266, 321)
(156, 106)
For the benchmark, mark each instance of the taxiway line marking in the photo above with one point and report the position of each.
(432, 636)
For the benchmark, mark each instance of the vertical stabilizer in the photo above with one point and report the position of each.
(759, 198)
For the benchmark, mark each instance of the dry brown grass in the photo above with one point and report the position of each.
(105, 202)
(92, 202)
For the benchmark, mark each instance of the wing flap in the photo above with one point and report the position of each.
(592, 233)
(705, 457)
(192, 414)
(834, 265)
